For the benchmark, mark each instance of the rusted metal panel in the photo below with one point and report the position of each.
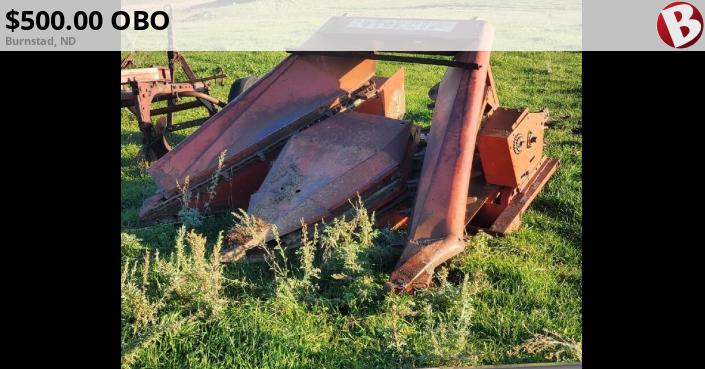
(252, 129)
(295, 88)
(438, 223)
(320, 169)
(391, 101)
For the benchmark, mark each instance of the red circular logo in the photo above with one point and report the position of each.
(680, 24)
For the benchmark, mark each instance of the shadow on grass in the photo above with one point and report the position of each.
(558, 211)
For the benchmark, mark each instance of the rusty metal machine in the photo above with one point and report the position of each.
(143, 86)
(321, 128)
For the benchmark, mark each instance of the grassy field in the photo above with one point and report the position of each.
(515, 299)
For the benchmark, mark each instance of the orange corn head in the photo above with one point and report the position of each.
(322, 128)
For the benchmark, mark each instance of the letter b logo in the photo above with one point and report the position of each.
(680, 25)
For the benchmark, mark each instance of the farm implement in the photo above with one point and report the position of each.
(322, 128)
(140, 87)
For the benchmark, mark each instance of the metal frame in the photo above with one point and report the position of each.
(140, 91)
(374, 55)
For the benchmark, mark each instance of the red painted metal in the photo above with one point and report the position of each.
(392, 99)
(295, 88)
(511, 145)
(320, 169)
(437, 228)
(251, 130)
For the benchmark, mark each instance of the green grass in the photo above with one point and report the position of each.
(498, 294)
